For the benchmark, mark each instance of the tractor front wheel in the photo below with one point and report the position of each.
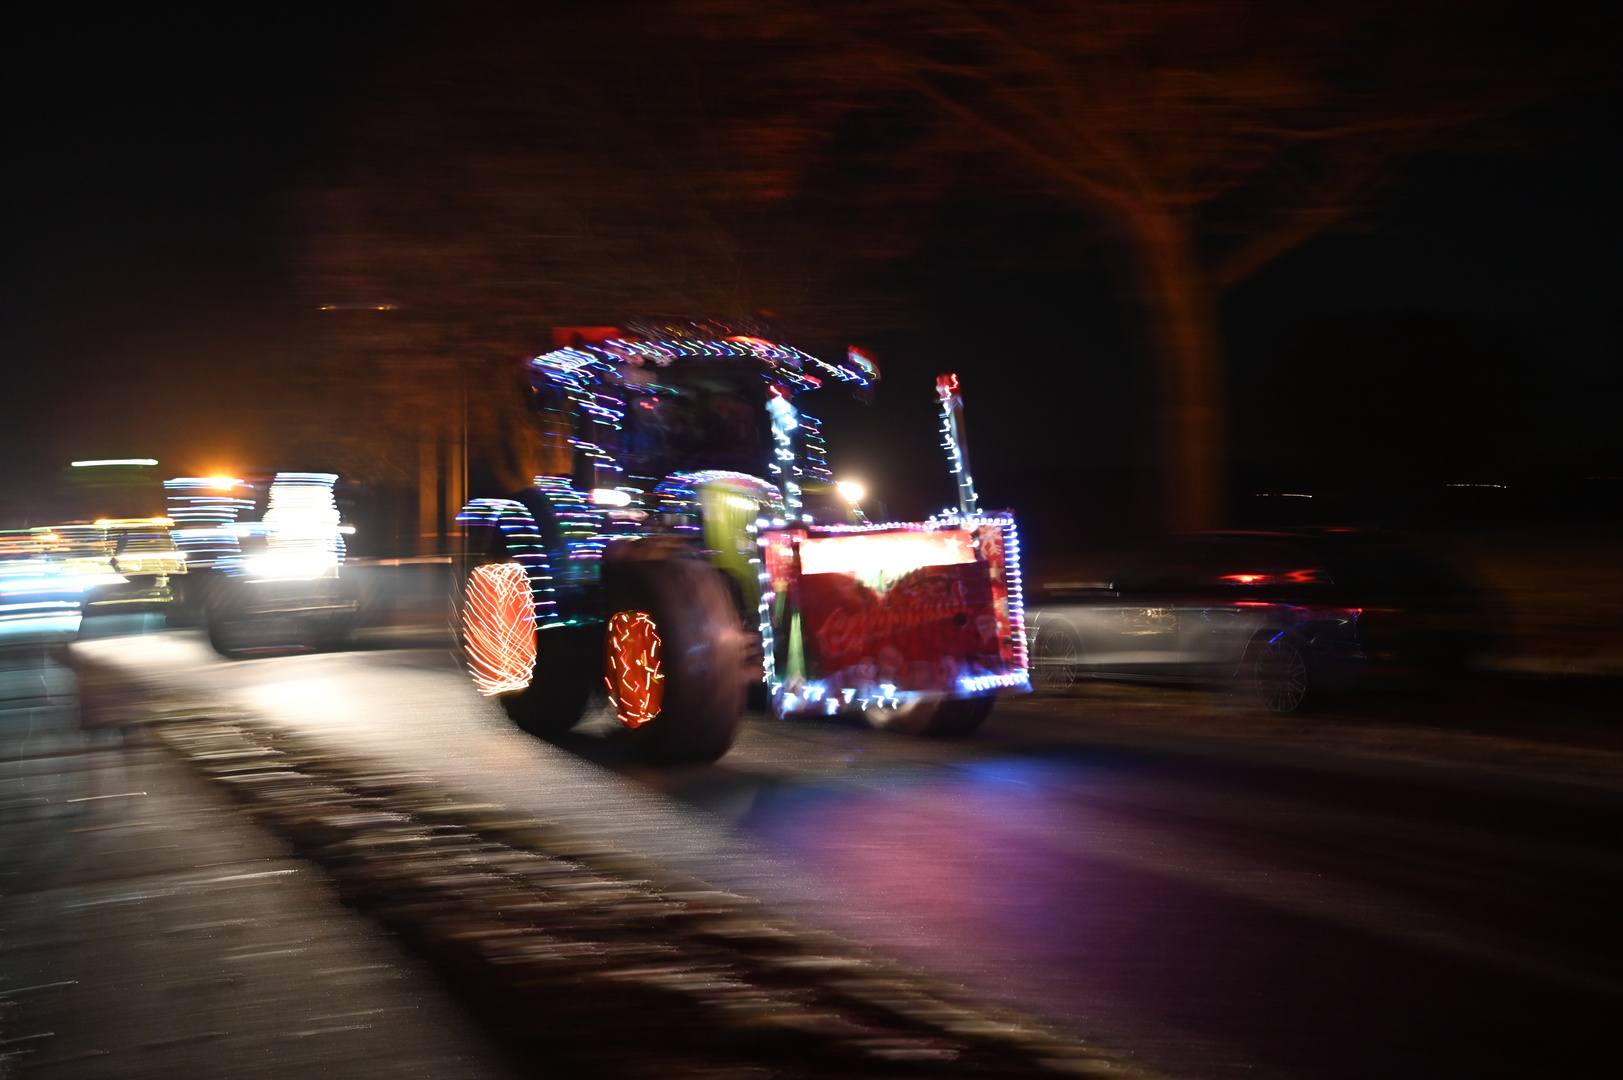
(674, 659)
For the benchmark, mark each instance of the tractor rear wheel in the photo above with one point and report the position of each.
(542, 679)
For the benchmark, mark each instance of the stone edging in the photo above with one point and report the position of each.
(596, 957)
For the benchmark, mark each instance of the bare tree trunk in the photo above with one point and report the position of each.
(1190, 414)
(515, 443)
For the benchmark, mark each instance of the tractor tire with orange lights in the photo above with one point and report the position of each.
(543, 679)
(674, 658)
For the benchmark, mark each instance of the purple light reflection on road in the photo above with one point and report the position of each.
(1042, 883)
(965, 867)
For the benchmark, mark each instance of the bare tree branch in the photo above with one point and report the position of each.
(1181, 122)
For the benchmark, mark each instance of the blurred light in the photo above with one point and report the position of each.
(611, 497)
(864, 362)
(1306, 576)
(885, 554)
(499, 627)
(301, 530)
(851, 491)
(635, 682)
(286, 565)
(115, 461)
(205, 510)
(978, 684)
(950, 393)
(784, 422)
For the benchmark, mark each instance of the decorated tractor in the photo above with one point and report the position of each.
(699, 557)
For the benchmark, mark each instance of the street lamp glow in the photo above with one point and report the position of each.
(851, 491)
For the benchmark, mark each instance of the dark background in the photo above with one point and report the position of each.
(1464, 332)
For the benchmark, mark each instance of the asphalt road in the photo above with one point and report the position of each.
(1217, 895)
(147, 932)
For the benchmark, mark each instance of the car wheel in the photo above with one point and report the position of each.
(232, 631)
(1277, 676)
(674, 659)
(541, 682)
(1054, 659)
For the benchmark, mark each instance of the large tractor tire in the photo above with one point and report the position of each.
(674, 658)
(565, 666)
(543, 680)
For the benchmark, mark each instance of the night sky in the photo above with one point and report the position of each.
(151, 151)
(1470, 324)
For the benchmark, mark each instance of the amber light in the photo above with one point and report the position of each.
(1289, 577)
(499, 628)
(632, 671)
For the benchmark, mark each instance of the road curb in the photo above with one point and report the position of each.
(594, 955)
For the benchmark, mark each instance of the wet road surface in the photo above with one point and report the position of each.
(1220, 897)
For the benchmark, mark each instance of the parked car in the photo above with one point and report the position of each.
(1279, 616)
(139, 562)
